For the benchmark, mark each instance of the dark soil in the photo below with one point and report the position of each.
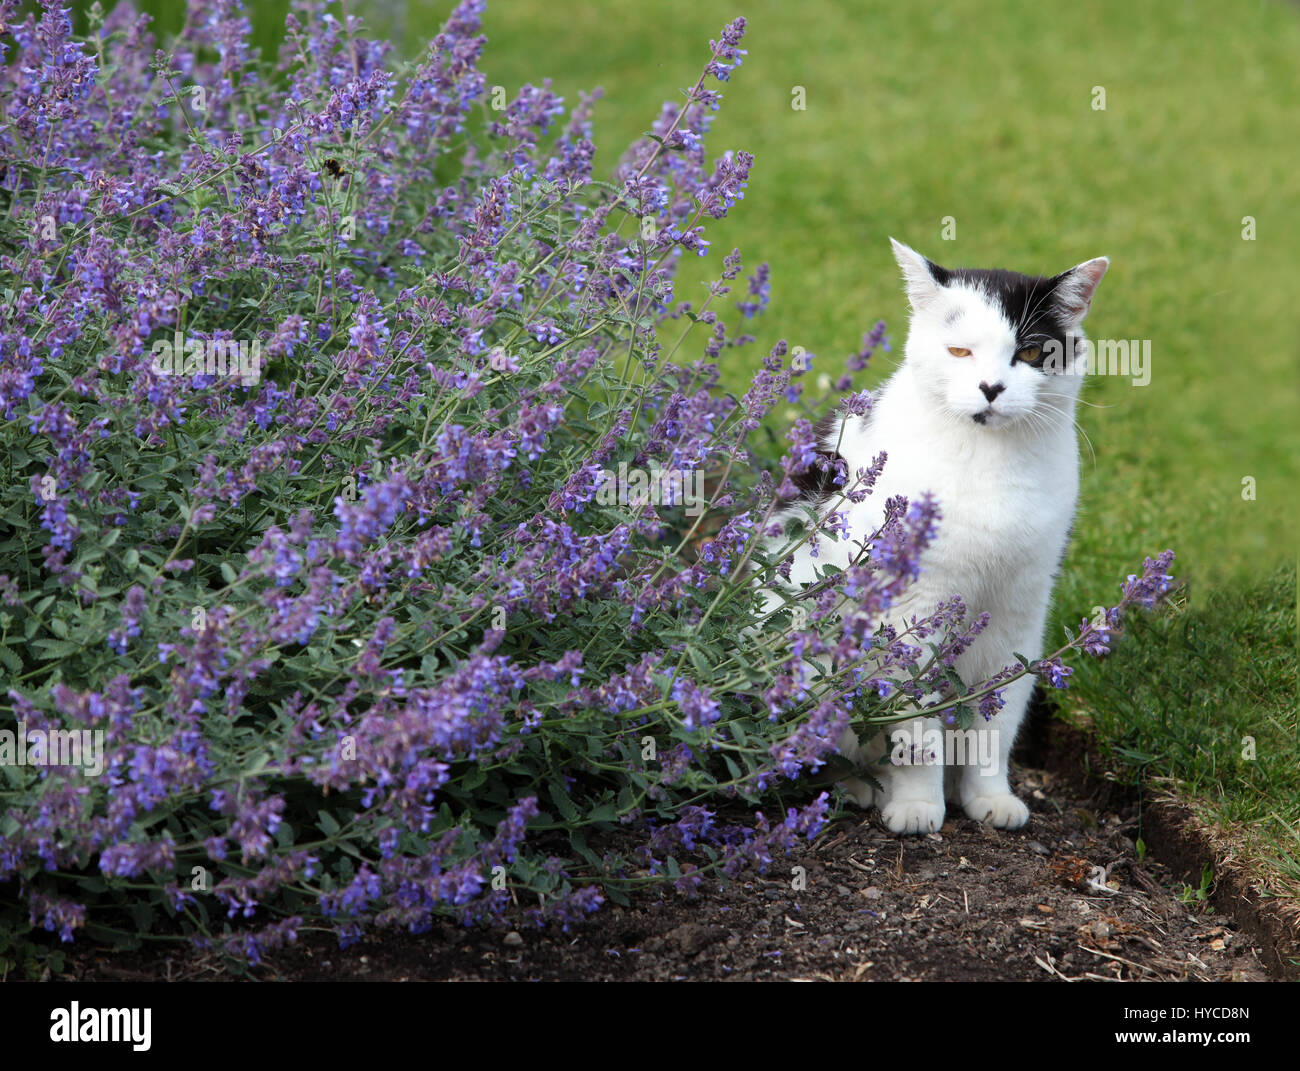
(968, 903)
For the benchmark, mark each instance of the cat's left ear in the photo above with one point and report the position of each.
(1075, 288)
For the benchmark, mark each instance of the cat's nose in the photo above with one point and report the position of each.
(992, 392)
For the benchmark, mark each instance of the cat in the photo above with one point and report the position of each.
(980, 413)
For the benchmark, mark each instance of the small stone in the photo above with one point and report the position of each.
(1038, 849)
(512, 940)
(872, 893)
(843, 890)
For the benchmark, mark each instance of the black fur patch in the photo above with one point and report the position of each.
(819, 481)
(1030, 302)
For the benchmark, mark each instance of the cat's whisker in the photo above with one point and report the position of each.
(1081, 401)
(1079, 428)
(1032, 311)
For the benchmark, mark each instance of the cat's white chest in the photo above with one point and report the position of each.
(1006, 509)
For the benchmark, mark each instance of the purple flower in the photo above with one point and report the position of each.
(698, 707)
(725, 49)
(1054, 672)
(132, 609)
(380, 506)
(760, 289)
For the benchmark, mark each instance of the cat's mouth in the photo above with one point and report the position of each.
(990, 417)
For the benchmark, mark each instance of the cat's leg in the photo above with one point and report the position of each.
(985, 788)
(863, 793)
(912, 796)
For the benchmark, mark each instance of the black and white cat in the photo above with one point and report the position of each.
(981, 414)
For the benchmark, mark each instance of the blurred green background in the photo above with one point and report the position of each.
(984, 112)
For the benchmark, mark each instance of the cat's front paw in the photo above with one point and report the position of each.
(912, 816)
(1004, 811)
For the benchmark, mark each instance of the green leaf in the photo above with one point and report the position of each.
(605, 812)
(836, 768)
(579, 842)
(562, 801)
(698, 660)
(55, 648)
(965, 716)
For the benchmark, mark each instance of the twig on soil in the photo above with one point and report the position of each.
(1117, 959)
(826, 845)
(1154, 945)
(1144, 879)
(1050, 968)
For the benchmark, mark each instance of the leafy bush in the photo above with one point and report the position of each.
(314, 377)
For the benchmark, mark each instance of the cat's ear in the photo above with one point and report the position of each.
(921, 276)
(1075, 288)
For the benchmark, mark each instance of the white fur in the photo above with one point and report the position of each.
(1007, 491)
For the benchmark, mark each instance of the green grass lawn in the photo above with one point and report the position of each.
(984, 113)
(1207, 695)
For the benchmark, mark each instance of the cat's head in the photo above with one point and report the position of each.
(996, 347)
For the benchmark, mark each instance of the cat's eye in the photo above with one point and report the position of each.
(958, 351)
(1029, 354)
